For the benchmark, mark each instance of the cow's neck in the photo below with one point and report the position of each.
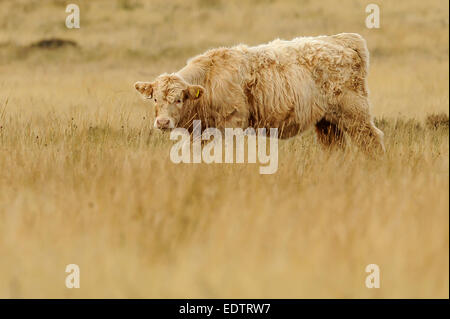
(197, 110)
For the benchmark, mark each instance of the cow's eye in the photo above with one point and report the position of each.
(179, 101)
(155, 100)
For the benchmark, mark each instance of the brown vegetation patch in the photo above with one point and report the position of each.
(53, 43)
(435, 121)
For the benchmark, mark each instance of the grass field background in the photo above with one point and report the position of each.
(84, 178)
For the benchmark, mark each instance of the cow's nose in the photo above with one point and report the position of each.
(163, 123)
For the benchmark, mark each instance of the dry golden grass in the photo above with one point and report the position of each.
(85, 180)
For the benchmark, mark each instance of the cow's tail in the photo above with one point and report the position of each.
(357, 43)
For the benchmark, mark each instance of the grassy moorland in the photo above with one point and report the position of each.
(85, 179)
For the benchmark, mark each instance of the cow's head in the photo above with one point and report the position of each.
(170, 94)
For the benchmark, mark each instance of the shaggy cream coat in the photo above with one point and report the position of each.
(289, 85)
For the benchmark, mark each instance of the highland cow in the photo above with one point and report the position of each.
(288, 85)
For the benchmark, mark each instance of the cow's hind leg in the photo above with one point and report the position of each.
(355, 120)
(329, 134)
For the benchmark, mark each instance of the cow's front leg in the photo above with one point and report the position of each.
(234, 119)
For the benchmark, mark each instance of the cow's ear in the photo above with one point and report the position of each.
(194, 91)
(145, 88)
